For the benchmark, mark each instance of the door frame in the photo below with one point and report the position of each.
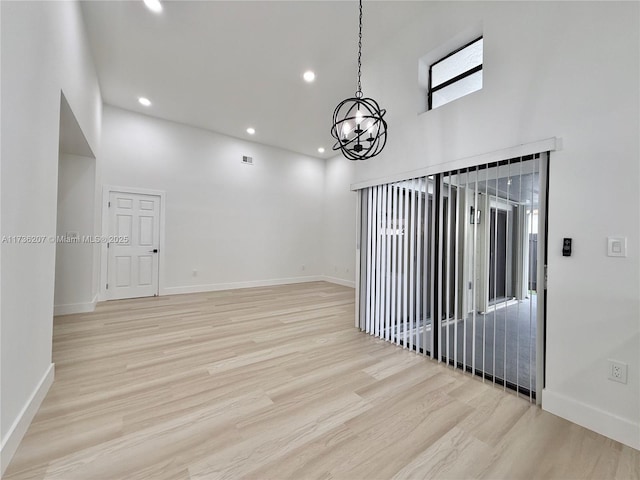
(541, 275)
(104, 253)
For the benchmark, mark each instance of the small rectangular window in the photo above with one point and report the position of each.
(456, 75)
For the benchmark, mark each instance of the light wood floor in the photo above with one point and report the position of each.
(276, 383)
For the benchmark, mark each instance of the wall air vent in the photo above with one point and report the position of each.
(247, 160)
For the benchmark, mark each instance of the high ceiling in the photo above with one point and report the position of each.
(228, 65)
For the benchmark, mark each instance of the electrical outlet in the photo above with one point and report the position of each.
(618, 371)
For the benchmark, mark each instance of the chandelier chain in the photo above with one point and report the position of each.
(359, 91)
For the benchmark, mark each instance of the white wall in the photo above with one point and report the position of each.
(74, 286)
(43, 52)
(565, 69)
(235, 224)
(339, 229)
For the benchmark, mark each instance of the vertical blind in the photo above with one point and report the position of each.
(451, 266)
(395, 263)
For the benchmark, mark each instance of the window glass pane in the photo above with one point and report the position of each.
(456, 90)
(458, 63)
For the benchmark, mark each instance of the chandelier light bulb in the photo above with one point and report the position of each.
(369, 126)
(346, 130)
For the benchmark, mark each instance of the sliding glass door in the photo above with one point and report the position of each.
(451, 266)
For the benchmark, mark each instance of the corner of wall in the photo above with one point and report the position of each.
(325, 194)
(338, 240)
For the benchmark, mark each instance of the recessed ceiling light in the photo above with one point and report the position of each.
(153, 5)
(251, 130)
(144, 101)
(309, 76)
(321, 150)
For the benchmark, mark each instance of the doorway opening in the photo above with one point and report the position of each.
(501, 243)
(76, 271)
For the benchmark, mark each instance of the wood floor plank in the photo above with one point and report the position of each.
(276, 383)
(451, 456)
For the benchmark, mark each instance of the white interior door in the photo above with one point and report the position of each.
(134, 227)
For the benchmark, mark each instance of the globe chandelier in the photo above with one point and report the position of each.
(358, 122)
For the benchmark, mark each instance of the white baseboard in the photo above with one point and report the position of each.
(21, 424)
(339, 281)
(588, 416)
(72, 308)
(235, 285)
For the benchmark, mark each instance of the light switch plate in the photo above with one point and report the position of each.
(617, 246)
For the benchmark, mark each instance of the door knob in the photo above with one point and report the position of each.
(155, 250)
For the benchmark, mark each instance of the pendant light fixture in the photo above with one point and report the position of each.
(358, 123)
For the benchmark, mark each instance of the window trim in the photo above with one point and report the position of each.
(455, 79)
